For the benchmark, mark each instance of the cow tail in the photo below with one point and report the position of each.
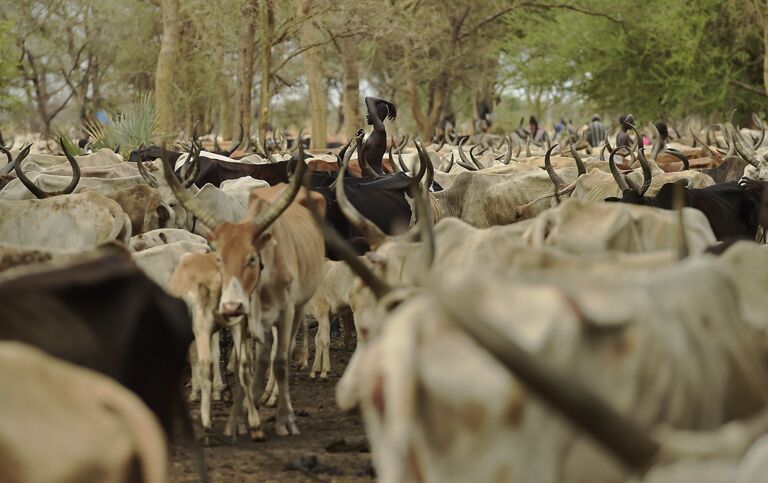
(194, 445)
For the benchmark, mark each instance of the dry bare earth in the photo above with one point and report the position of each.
(321, 424)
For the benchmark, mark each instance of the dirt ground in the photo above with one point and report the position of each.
(331, 445)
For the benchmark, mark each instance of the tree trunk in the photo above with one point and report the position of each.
(350, 92)
(248, 18)
(765, 55)
(166, 63)
(313, 66)
(267, 23)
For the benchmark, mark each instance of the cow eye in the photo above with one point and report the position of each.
(251, 261)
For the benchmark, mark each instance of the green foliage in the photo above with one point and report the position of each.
(135, 126)
(8, 60)
(72, 148)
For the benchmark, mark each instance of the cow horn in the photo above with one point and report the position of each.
(189, 174)
(556, 179)
(263, 220)
(422, 165)
(756, 119)
(647, 174)
(658, 143)
(744, 151)
(696, 139)
(442, 143)
(192, 204)
(392, 163)
(401, 162)
(682, 157)
(580, 168)
(39, 193)
(365, 168)
(617, 176)
(13, 162)
(236, 145)
(216, 145)
(474, 160)
(148, 177)
(403, 143)
(343, 163)
(508, 154)
(9, 166)
(528, 147)
(465, 163)
(368, 229)
(422, 209)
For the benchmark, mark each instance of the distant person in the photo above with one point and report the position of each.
(571, 131)
(622, 138)
(376, 144)
(595, 132)
(559, 126)
(663, 131)
(534, 131)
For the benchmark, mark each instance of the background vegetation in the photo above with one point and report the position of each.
(308, 63)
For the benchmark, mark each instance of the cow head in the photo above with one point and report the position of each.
(243, 251)
(631, 193)
(758, 166)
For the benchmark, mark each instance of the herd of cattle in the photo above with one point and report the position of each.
(543, 315)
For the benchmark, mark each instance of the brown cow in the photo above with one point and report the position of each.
(270, 265)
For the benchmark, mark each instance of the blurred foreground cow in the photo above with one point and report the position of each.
(64, 423)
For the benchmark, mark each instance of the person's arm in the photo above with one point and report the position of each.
(372, 102)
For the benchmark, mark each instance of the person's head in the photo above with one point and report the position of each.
(533, 122)
(381, 111)
(626, 121)
(596, 118)
(663, 131)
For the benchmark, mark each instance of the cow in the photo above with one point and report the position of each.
(104, 314)
(67, 423)
(159, 263)
(331, 297)
(160, 237)
(731, 208)
(270, 265)
(438, 407)
(78, 221)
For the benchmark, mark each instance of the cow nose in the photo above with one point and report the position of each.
(232, 309)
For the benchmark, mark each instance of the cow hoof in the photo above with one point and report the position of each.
(194, 397)
(324, 377)
(216, 396)
(242, 429)
(293, 428)
(282, 430)
(226, 395)
(257, 435)
(312, 375)
(229, 430)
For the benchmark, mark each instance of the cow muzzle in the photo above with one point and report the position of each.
(234, 301)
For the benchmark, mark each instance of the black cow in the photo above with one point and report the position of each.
(732, 209)
(106, 315)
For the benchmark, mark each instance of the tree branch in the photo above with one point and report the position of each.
(312, 46)
(748, 88)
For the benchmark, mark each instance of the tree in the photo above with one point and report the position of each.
(313, 67)
(166, 63)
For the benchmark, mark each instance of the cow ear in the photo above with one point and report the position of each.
(262, 239)
(376, 258)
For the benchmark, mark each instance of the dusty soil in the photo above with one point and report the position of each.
(294, 458)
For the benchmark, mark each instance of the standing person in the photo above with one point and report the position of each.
(595, 132)
(622, 138)
(376, 144)
(536, 133)
(559, 126)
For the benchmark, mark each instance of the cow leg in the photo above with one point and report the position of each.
(203, 344)
(268, 398)
(304, 351)
(286, 331)
(245, 377)
(346, 319)
(218, 381)
(194, 391)
(322, 361)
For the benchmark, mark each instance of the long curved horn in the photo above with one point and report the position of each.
(744, 151)
(216, 146)
(726, 138)
(682, 157)
(367, 171)
(395, 167)
(39, 193)
(658, 143)
(9, 166)
(756, 119)
(343, 163)
(580, 168)
(148, 177)
(401, 162)
(192, 204)
(403, 143)
(528, 147)
(508, 154)
(263, 220)
(465, 163)
(617, 176)
(369, 230)
(193, 160)
(236, 145)
(422, 165)
(556, 179)
(442, 143)
(422, 209)
(696, 139)
(647, 175)
(474, 159)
